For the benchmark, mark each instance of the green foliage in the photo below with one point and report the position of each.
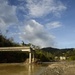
(44, 56)
(11, 57)
(4, 42)
(71, 58)
(54, 52)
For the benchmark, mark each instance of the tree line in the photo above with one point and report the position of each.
(41, 54)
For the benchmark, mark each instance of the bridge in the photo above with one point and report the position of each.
(25, 49)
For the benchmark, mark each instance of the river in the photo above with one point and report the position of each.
(21, 69)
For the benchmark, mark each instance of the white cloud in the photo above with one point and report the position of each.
(2, 26)
(38, 8)
(7, 15)
(36, 34)
(52, 25)
(31, 30)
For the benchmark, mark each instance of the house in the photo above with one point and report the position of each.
(62, 58)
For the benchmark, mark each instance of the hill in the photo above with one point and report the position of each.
(69, 53)
(43, 55)
(4, 42)
(11, 56)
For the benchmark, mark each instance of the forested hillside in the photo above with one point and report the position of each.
(10, 56)
(41, 55)
(4, 42)
(69, 53)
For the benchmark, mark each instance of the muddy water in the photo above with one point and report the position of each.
(21, 69)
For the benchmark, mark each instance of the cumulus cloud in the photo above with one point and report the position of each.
(36, 34)
(52, 25)
(7, 15)
(25, 10)
(38, 8)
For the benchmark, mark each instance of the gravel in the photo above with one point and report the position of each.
(60, 68)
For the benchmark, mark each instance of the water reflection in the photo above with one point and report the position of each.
(30, 69)
(20, 69)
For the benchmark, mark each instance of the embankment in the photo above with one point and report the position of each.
(60, 68)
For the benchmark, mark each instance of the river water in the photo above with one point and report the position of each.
(21, 69)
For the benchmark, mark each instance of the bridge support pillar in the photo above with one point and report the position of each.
(33, 59)
(30, 57)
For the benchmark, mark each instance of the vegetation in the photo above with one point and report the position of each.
(4, 42)
(10, 56)
(42, 55)
(68, 53)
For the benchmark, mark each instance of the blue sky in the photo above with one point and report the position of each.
(45, 23)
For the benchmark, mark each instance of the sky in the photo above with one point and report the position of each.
(44, 23)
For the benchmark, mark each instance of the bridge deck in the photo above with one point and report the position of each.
(15, 49)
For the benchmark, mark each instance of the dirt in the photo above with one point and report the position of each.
(60, 68)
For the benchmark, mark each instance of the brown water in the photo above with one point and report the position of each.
(21, 69)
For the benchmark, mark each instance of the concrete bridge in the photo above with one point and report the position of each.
(26, 49)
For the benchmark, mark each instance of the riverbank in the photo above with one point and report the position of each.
(60, 68)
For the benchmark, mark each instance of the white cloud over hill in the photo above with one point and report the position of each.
(36, 34)
(30, 29)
